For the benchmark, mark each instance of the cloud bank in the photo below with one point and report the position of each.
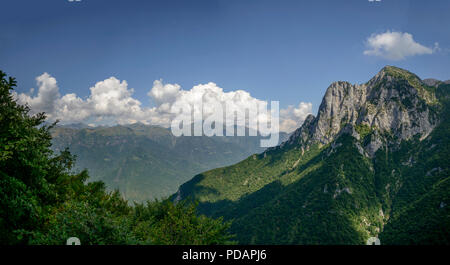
(396, 46)
(111, 102)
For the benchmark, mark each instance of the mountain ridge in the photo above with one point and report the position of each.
(144, 161)
(343, 174)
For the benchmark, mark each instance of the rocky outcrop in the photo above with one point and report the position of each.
(394, 105)
(431, 82)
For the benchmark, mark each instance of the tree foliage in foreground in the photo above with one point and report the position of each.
(43, 202)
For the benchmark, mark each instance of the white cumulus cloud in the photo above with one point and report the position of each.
(396, 46)
(111, 102)
(293, 117)
(109, 99)
(46, 97)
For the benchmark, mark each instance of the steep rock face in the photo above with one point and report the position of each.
(394, 105)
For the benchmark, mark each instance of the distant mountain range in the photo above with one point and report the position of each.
(374, 162)
(147, 162)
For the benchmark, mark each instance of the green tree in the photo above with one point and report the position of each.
(43, 202)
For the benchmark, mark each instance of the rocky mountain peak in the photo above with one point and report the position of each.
(392, 106)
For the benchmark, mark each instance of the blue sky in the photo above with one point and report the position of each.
(276, 50)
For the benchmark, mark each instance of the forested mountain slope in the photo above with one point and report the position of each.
(374, 162)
